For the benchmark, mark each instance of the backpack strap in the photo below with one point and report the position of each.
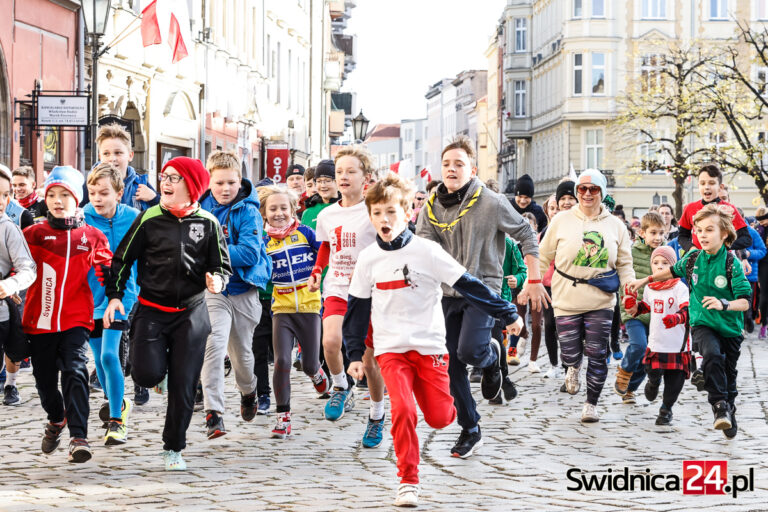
(729, 261)
(689, 265)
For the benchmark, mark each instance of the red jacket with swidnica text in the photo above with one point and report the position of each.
(60, 298)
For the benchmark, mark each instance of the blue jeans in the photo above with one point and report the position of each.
(633, 357)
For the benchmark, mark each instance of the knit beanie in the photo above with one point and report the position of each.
(68, 177)
(194, 173)
(665, 252)
(524, 186)
(566, 188)
(594, 177)
(6, 172)
(295, 170)
(325, 169)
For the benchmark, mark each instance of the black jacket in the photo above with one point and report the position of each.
(535, 209)
(173, 256)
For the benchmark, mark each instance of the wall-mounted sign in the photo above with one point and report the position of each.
(278, 156)
(62, 110)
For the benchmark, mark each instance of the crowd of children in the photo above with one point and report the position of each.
(372, 282)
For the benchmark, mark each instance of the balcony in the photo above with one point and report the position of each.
(347, 44)
(336, 123)
(337, 9)
(333, 71)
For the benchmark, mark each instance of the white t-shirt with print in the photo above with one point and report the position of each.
(663, 303)
(348, 231)
(406, 297)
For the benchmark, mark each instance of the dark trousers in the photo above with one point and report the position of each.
(172, 343)
(719, 365)
(64, 353)
(673, 383)
(762, 278)
(616, 326)
(498, 334)
(550, 332)
(262, 345)
(468, 336)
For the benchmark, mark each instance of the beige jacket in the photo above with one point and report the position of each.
(584, 248)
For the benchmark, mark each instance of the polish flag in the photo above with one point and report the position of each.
(395, 168)
(425, 175)
(167, 20)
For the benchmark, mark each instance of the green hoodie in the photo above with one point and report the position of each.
(641, 262)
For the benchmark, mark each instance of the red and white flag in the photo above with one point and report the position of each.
(425, 175)
(395, 168)
(167, 20)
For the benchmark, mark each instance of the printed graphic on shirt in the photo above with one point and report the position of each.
(658, 306)
(407, 280)
(196, 232)
(593, 252)
(721, 282)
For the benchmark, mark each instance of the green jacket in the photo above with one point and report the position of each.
(708, 280)
(513, 266)
(641, 262)
(309, 217)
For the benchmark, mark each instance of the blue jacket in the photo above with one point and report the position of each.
(243, 227)
(14, 211)
(114, 229)
(756, 252)
(130, 184)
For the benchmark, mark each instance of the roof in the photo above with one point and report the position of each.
(383, 132)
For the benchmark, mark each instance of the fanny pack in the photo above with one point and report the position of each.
(607, 282)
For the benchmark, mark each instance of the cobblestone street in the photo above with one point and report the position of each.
(529, 446)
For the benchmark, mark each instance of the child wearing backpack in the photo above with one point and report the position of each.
(719, 293)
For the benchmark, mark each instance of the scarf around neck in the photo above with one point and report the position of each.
(448, 199)
(281, 233)
(398, 242)
(664, 285)
(182, 211)
(29, 200)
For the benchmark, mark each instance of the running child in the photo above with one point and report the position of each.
(296, 310)
(108, 215)
(397, 284)
(719, 294)
(58, 315)
(181, 253)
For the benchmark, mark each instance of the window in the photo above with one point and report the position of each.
(761, 79)
(290, 72)
(762, 9)
(521, 32)
(718, 141)
(718, 9)
(598, 8)
(520, 98)
(577, 8)
(577, 73)
(651, 67)
(654, 9)
(594, 149)
(598, 73)
(276, 73)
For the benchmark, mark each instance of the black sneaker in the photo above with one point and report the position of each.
(697, 379)
(198, 398)
(11, 396)
(730, 433)
(104, 414)
(476, 375)
(651, 390)
(509, 389)
(52, 436)
(497, 400)
(466, 443)
(362, 383)
(140, 395)
(93, 382)
(722, 415)
(248, 406)
(215, 424)
(79, 450)
(665, 416)
(491, 383)
(562, 388)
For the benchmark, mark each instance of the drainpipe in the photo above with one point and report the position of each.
(80, 85)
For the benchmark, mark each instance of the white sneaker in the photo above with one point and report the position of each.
(533, 367)
(555, 372)
(407, 495)
(589, 413)
(521, 344)
(572, 384)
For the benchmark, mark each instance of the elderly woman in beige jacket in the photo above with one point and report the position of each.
(585, 242)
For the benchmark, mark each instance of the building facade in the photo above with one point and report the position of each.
(383, 142)
(412, 138)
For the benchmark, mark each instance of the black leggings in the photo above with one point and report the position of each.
(262, 345)
(616, 327)
(762, 278)
(550, 332)
(673, 384)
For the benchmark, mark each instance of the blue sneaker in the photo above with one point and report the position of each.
(2, 377)
(341, 401)
(374, 433)
(618, 355)
(263, 405)
(140, 395)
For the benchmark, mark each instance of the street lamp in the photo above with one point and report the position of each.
(95, 17)
(359, 127)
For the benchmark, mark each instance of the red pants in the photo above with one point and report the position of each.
(426, 377)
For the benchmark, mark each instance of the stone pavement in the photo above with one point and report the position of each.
(529, 446)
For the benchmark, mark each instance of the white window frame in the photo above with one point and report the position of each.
(521, 98)
(592, 74)
(718, 140)
(578, 68)
(654, 10)
(720, 7)
(578, 9)
(521, 35)
(761, 9)
(595, 4)
(651, 65)
(593, 152)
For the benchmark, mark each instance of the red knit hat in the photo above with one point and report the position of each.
(195, 175)
(665, 252)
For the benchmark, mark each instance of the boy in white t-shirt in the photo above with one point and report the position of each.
(668, 353)
(344, 230)
(397, 284)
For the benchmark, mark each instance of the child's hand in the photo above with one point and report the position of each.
(512, 282)
(635, 285)
(355, 370)
(671, 320)
(5, 290)
(15, 297)
(144, 193)
(747, 267)
(109, 313)
(516, 326)
(214, 283)
(630, 302)
(313, 283)
(712, 303)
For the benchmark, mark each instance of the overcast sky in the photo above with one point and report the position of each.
(404, 46)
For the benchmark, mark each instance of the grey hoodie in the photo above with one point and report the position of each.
(14, 254)
(477, 240)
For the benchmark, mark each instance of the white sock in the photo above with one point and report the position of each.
(339, 380)
(377, 410)
(10, 378)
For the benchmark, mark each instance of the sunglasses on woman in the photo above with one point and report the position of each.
(592, 189)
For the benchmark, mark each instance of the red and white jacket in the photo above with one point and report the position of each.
(60, 298)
